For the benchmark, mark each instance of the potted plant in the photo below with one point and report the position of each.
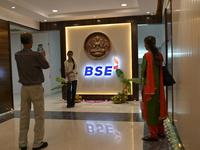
(78, 98)
(117, 99)
(126, 83)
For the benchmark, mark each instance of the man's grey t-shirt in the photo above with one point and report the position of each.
(30, 65)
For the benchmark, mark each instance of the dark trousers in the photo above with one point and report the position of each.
(71, 101)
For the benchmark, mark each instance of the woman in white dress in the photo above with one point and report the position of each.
(71, 78)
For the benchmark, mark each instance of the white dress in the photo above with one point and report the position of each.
(69, 67)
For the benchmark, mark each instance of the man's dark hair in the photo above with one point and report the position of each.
(26, 38)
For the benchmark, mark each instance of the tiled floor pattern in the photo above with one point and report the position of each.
(87, 126)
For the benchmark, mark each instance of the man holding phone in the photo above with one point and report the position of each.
(40, 47)
(30, 65)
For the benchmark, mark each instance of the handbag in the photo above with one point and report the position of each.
(167, 77)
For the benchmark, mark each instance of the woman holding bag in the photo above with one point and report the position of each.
(154, 104)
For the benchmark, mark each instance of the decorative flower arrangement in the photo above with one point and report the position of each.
(78, 97)
(117, 98)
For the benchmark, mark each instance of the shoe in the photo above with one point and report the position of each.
(45, 144)
(148, 138)
(68, 107)
(23, 148)
(161, 135)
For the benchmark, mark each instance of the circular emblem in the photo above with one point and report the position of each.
(97, 46)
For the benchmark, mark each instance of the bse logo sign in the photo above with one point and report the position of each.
(101, 70)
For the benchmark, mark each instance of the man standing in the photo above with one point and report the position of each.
(30, 65)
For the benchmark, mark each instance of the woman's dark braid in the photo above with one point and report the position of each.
(151, 41)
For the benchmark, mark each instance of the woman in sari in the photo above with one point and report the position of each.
(153, 96)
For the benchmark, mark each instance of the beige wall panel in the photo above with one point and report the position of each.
(186, 70)
(120, 37)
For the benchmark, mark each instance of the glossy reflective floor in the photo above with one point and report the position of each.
(87, 126)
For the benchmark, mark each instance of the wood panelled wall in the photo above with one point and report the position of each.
(134, 20)
(6, 92)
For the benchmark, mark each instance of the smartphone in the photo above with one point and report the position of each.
(40, 47)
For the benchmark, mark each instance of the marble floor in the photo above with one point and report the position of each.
(87, 126)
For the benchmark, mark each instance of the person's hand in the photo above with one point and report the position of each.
(43, 53)
(69, 81)
(67, 73)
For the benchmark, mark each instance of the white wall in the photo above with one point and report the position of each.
(186, 71)
(55, 59)
(156, 30)
(15, 47)
(51, 44)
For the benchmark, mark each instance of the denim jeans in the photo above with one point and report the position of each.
(71, 101)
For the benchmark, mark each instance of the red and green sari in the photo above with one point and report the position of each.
(155, 108)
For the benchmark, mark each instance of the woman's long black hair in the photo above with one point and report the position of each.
(72, 59)
(151, 41)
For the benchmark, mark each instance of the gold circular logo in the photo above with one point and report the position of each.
(97, 46)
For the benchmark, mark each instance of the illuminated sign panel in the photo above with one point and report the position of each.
(100, 70)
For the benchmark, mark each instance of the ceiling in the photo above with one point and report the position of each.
(41, 10)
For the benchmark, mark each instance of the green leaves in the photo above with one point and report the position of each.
(58, 87)
(59, 79)
(120, 74)
(126, 81)
(135, 80)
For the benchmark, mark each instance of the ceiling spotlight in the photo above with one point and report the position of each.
(54, 10)
(13, 7)
(45, 20)
(123, 4)
(148, 12)
(98, 20)
(94, 16)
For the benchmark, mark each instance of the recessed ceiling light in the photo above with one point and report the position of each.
(98, 20)
(54, 10)
(148, 12)
(13, 7)
(94, 16)
(123, 4)
(45, 20)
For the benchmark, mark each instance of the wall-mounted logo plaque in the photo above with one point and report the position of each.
(97, 46)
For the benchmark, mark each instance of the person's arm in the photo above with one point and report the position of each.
(43, 63)
(143, 67)
(67, 73)
(143, 71)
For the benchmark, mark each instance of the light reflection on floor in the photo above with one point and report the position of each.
(87, 126)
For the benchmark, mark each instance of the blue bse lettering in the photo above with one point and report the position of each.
(89, 71)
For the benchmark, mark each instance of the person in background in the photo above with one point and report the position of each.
(29, 66)
(153, 96)
(71, 78)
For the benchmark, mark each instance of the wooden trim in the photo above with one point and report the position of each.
(134, 38)
(11, 82)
